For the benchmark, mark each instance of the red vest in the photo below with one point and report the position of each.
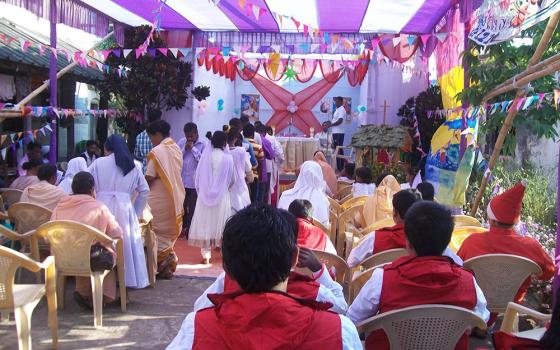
(310, 236)
(507, 341)
(299, 286)
(265, 321)
(389, 238)
(410, 281)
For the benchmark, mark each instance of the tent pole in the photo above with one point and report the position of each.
(543, 44)
(53, 151)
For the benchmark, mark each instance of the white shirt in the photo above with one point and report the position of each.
(185, 337)
(325, 140)
(359, 189)
(329, 291)
(365, 249)
(367, 302)
(339, 113)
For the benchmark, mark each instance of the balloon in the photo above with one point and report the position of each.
(362, 108)
(220, 102)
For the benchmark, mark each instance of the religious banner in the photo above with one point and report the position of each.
(500, 20)
(250, 106)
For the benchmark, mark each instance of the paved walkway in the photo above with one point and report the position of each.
(153, 318)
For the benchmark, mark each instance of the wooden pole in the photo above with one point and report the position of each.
(53, 88)
(63, 71)
(541, 47)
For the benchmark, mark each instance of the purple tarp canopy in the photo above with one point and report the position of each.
(352, 16)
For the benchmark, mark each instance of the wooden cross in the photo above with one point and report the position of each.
(385, 106)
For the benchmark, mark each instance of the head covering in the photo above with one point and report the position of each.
(123, 158)
(379, 205)
(506, 207)
(309, 185)
(75, 165)
(328, 173)
(211, 185)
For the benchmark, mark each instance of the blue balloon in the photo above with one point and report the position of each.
(220, 102)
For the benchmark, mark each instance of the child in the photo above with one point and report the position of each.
(363, 185)
(427, 191)
(424, 277)
(309, 236)
(259, 250)
(347, 174)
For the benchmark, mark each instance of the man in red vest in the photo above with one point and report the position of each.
(504, 212)
(259, 248)
(309, 235)
(390, 237)
(424, 277)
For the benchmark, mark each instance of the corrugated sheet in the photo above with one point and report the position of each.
(33, 57)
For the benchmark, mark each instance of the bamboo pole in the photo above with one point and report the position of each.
(508, 84)
(541, 47)
(63, 71)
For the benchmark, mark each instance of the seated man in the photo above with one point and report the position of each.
(83, 208)
(24, 181)
(309, 235)
(259, 248)
(504, 211)
(427, 190)
(44, 193)
(389, 237)
(423, 277)
(363, 185)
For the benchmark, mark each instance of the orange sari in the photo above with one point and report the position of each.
(167, 194)
(379, 205)
(328, 173)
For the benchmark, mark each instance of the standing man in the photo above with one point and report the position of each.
(143, 143)
(337, 129)
(33, 153)
(191, 146)
(90, 153)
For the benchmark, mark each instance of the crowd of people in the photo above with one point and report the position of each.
(222, 191)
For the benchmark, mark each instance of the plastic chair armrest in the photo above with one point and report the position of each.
(513, 310)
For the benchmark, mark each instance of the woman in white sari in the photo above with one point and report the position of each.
(75, 165)
(309, 185)
(117, 179)
(242, 169)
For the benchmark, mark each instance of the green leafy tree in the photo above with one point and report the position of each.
(159, 82)
(495, 64)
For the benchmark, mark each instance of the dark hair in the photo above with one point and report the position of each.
(90, 143)
(403, 200)
(219, 139)
(339, 99)
(46, 172)
(411, 171)
(349, 168)
(428, 227)
(235, 122)
(379, 179)
(427, 191)
(82, 183)
(190, 127)
(244, 120)
(551, 338)
(269, 130)
(257, 123)
(257, 247)
(261, 128)
(209, 135)
(301, 208)
(249, 131)
(233, 134)
(123, 159)
(160, 126)
(364, 173)
(154, 115)
(32, 145)
(32, 163)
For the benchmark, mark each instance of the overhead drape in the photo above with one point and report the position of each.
(279, 99)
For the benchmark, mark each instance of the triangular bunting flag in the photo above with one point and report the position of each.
(241, 4)
(4, 153)
(441, 36)
(314, 48)
(529, 101)
(139, 52)
(410, 39)
(396, 41)
(117, 52)
(276, 48)
(185, 51)
(279, 20)
(425, 38)
(163, 51)
(174, 51)
(374, 43)
(152, 52)
(556, 97)
(520, 103)
(127, 52)
(256, 11)
(297, 23)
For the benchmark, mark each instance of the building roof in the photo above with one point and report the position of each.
(33, 57)
(381, 136)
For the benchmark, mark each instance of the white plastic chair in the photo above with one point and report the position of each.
(28, 216)
(151, 250)
(71, 245)
(500, 276)
(358, 281)
(333, 263)
(21, 299)
(423, 327)
(510, 322)
(383, 258)
(10, 195)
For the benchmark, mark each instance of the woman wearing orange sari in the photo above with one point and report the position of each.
(328, 173)
(379, 205)
(163, 173)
